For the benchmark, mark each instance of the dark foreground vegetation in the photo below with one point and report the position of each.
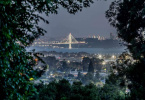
(62, 90)
(19, 28)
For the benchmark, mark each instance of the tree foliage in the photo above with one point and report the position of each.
(77, 91)
(127, 16)
(18, 29)
(63, 90)
(91, 68)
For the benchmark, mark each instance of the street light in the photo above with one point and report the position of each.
(113, 56)
(68, 61)
(103, 63)
(100, 56)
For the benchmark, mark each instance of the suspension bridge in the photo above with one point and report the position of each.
(68, 40)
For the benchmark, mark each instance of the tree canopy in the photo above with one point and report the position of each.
(91, 67)
(18, 29)
(127, 16)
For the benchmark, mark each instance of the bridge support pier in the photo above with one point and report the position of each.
(70, 46)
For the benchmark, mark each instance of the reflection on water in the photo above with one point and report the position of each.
(88, 50)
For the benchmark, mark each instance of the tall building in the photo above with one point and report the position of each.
(103, 38)
(112, 36)
(99, 37)
(94, 36)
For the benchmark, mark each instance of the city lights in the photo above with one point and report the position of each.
(100, 56)
(103, 63)
(113, 56)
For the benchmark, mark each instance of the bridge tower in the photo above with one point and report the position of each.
(70, 40)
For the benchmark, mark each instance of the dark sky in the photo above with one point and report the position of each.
(91, 21)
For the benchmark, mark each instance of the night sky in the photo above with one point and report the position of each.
(91, 21)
